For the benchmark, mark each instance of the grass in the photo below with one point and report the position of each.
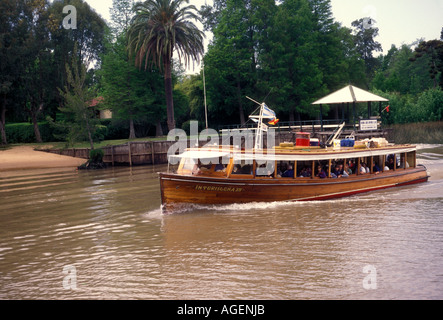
(422, 132)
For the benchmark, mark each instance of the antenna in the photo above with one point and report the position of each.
(254, 101)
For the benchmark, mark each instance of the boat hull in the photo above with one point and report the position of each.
(177, 190)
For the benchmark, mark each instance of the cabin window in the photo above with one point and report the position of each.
(304, 169)
(321, 169)
(265, 169)
(364, 167)
(242, 167)
(377, 164)
(339, 169)
(285, 169)
(350, 165)
(391, 162)
(404, 163)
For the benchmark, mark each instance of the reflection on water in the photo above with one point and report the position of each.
(107, 226)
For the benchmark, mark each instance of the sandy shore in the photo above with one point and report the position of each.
(25, 157)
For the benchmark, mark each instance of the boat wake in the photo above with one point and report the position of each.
(258, 206)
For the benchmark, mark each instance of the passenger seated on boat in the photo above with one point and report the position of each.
(364, 168)
(236, 169)
(351, 167)
(320, 172)
(220, 167)
(305, 172)
(338, 172)
(347, 171)
(342, 171)
(390, 162)
(264, 171)
(376, 169)
(288, 173)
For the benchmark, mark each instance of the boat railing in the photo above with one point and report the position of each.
(302, 125)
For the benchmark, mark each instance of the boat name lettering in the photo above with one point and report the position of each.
(218, 188)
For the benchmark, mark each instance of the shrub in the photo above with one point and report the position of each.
(24, 132)
(186, 126)
(96, 155)
(430, 104)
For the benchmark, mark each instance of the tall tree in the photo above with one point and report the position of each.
(399, 74)
(234, 60)
(133, 95)
(365, 33)
(117, 70)
(158, 28)
(37, 86)
(78, 107)
(10, 52)
(121, 15)
(89, 36)
(432, 49)
(294, 67)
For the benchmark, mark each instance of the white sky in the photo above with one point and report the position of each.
(399, 21)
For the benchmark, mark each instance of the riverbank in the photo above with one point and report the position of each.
(422, 132)
(25, 157)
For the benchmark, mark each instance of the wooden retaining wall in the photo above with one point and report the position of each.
(150, 152)
(131, 153)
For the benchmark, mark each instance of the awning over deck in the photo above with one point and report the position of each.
(349, 94)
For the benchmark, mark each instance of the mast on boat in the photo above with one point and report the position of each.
(265, 113)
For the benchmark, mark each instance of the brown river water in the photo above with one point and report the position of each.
(69, 234)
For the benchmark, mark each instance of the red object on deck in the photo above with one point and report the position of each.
(303, 139)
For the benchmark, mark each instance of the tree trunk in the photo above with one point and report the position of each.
(131, 129)
(34, 116)
(240, 105)
(3, 121)
(168, 92)
(88, 129)
(38, 137)
(291, 115)
(158, 129)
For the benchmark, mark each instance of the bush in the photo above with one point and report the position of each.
(406, 108)
(430, 105)
(186, 126)
(24, 132)
(117, 129)
(96, 155)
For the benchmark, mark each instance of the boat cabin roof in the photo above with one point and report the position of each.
(294, 154)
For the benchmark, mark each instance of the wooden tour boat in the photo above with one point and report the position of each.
(288, 172)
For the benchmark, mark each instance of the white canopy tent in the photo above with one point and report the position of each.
(349, 94)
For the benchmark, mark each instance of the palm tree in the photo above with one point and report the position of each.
(158, 28)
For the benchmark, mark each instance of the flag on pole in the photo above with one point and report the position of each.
(274, 121)
(270, 114)
(387, 109)
(267, 112)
